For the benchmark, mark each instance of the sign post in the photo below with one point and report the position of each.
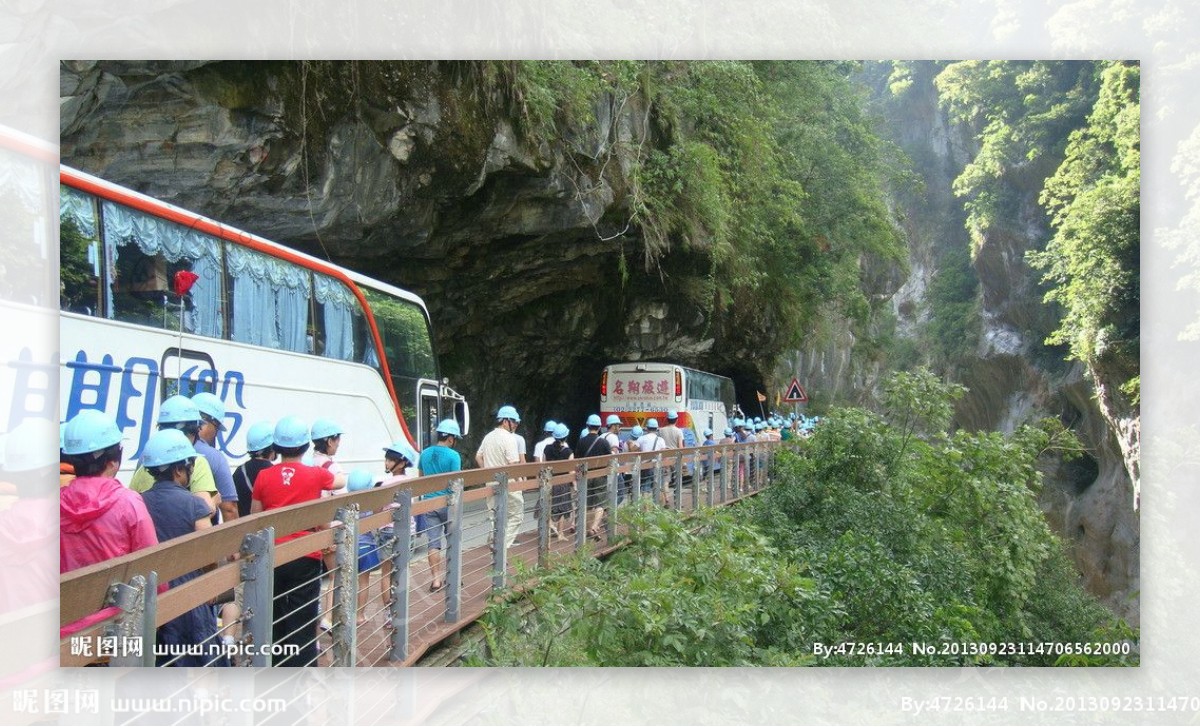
(795, 393)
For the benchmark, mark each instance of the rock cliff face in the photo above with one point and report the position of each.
(1013, 376)
(526, 253)
(410, 173)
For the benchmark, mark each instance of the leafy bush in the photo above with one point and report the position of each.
(867, 534)
(709, 592)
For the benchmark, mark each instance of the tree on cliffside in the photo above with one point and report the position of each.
(1092, 260)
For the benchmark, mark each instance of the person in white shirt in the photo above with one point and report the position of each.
(672, 433)
(650, 442)
(539, 449)
(613, 437)
(498, 449)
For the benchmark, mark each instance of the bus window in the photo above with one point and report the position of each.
(146, 252)
(80, 258)
(270, 298)
(336, 318)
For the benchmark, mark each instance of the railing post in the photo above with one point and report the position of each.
(752, 482)
(767, 464)
(677, 481)
(543, 510)
(580, 505)
(614, 486)
(635, 494)
(258, 587)
(696, 480)
(149, 616)
(758, 450)
(743, 469)
(499, 542)
(345, 587)
(711, 475)
(657, 488)
(401, 574)
(454, 546)
(130, 628)
(725, 468)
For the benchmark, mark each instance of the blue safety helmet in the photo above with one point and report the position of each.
(636, 431)
(291, 432)
(583, 432)
(593, 420)
(401, 448)
(165, 447)
(561, 431)
(449, 426)
(323, 428)
(672, 415)
(178, 409)
(708, 432)
(508, 412)
(652, 424)
(359, 479)
(612, 419)
(211, 406)
(90, 431)
(550, 424)
(728, 432)
(259, 436)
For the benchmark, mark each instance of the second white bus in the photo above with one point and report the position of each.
(639, 391)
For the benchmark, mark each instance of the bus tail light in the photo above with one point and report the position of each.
(678, 383)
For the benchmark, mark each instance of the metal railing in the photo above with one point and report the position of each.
(402, 620)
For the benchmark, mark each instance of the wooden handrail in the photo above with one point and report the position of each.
(82, 591)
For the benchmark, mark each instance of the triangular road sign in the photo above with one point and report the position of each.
(795, 393)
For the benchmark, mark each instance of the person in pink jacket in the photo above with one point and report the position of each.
(100, 518)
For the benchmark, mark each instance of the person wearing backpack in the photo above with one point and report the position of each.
(560, 494)
(650, 442)
(594, 445)
(260, 445)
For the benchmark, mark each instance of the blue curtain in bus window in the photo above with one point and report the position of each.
(293, 317)
(197, 251)
(338, 304)
(270, 300)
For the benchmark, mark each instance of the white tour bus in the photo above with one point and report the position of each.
(269, 330)
(638, 391)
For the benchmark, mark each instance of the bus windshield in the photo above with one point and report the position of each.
(407, 344)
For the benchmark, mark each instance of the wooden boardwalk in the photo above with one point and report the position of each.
(126, 583)
(429, 627)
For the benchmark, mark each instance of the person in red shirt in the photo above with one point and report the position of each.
(298, 583)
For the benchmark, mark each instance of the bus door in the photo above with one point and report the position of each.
(428, 408)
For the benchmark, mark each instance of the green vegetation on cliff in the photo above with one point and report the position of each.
(1092, 262)
(880, 530)
(1066, 133)
(756, 191)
